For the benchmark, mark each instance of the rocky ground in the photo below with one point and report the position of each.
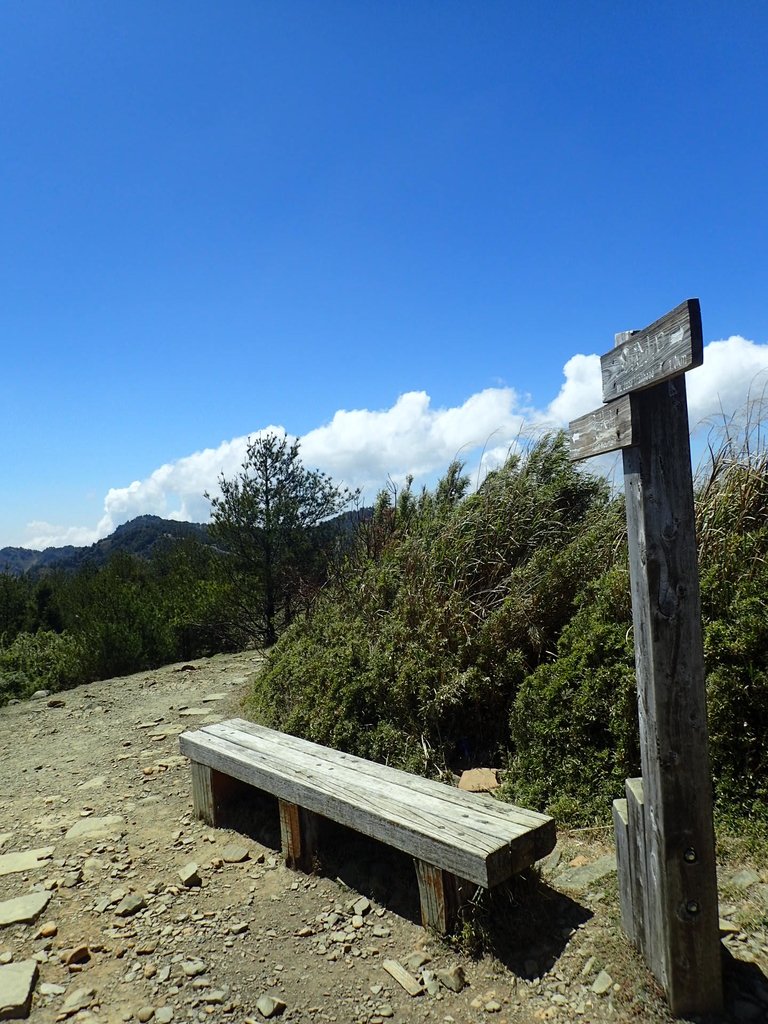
(117, 905)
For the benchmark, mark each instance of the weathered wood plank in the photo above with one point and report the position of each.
(298, 836)
(433, 898)
(624, 868)
(643, 906)
(539, 826)
(607, 429)
(665, 349)
(442, 896)
(202, 793)
(406, 980)
(672, 704)
(428, 834)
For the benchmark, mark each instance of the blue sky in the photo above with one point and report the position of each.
(386, 227)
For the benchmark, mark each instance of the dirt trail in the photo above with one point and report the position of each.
(95, 774)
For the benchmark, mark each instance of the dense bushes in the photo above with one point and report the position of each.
(418, 649)
(497, 626)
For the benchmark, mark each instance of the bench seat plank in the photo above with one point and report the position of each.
(466, 837)
(507, 814)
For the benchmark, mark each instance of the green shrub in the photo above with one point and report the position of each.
(42, 660)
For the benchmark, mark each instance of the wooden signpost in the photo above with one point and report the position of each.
(664, 831)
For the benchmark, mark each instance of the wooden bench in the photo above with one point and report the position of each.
(454, 837)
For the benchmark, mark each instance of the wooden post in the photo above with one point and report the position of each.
(441, 896)
(665, 840)
(298, 836)
(682, 928)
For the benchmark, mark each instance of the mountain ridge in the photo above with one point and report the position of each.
(139, 536)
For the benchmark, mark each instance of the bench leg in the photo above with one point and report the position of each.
(211, 792)
(298, 836)
(441, 895)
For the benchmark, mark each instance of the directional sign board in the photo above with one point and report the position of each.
(607, 429)
(667, 348)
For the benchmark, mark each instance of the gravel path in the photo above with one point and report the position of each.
(130, 909)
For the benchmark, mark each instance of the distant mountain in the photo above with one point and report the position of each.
(140, 536)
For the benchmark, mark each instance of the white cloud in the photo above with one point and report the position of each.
(581, 391)
(363, 447)
(734, 372)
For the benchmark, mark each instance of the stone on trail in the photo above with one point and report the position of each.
(77, 1000)
(479, 780)
(602, 983)
(270, 1006)
(145, 1013)
(17, 983)
(129, 905)
(23, 909)
(190, 875)
(25, 860)
(109, 825)
(742, 879)
(235, 854)
(164, 1014)
(579, 878)
(453, 978)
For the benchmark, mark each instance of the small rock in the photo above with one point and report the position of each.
(193, 968)
(385, 1010)
(239, 928)
(25, 860)
(47, 988)
(418, 959)
(743, 879)
(431, 984)
(23, 909)
(79, 999)
(492, 1006)
(130, 905)
(190, 875)
(110, 825)
(40, 694)
(479, 780)
(270, 1006)
(145, 1014)
(235, 854)
(361, 906)
(453, 978)
(17, 983)
(79, 955)
(48, 930)
(602, 983)
(164, 1014)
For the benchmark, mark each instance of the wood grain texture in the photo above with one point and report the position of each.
(470, 838)
(291, 839)
(202, 794)
(665, 349)
(624, 868)
(433, 898)
(643, 907)
(607, 429)
(540, 826)
(669, 660)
